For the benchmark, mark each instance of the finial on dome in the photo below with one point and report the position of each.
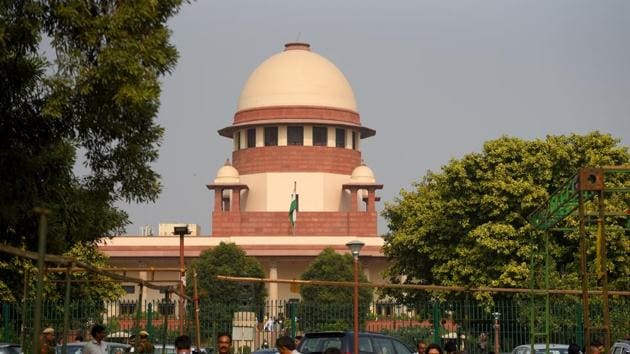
(227, 162)
(297, 46)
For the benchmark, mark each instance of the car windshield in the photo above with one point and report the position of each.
(319, 345)
(9, 350)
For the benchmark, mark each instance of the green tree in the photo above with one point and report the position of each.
(329, 307)
(227, 259)
(467, 225)
(94, 97)
(220, 298)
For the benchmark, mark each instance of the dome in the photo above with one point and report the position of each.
(297, 77)
(227, 174)
(363, 174)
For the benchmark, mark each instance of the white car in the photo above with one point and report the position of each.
(542, 349)
(621, 347)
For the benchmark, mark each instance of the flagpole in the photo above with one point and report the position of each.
(294, 196)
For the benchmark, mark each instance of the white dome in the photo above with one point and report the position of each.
(363, 174)
(297, 77)
(227, 174)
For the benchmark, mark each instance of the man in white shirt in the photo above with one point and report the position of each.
(96, 345)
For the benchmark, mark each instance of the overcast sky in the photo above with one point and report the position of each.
(435, 79)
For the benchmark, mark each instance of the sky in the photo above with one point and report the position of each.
(435, 79)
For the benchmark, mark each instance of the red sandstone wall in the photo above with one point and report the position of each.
(308, 224)
(297, 112)
(296, 159)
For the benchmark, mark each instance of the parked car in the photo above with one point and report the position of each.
(266, 351)
(77, 348)
(369, 343)
(6, 348)
(620, 347)
(542, 349)
(170, 349)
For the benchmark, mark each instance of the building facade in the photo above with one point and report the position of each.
(296, 134)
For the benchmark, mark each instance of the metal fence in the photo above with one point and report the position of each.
(472, 324)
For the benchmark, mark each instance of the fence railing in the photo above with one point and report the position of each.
(468, 322)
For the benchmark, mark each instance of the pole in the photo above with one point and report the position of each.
(496, 335)
(356, 304)
(136, 327)
(583, 273)
(24, 298)
(181, 283)
(604, 269)
(196, 300)
(165, 308)
(43, 225)
(66, 312)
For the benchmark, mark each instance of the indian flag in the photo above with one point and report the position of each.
(293, 209)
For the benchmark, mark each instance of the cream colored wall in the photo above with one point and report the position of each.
(243, 139)
(308, 135)
(260, 136)
(166, 229)
(272, 191)
(282, 135)
(331, 137)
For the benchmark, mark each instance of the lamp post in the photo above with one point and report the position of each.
(181, 230)
(355, 248)
(496, 316)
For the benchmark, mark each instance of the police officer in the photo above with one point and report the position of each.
(47, 342)
(144, 346)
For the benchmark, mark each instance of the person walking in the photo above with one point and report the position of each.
(96, 345)
(224, 343)
(47, 342)
(286, 345)
(434, 349)
(144, 345)
(183, 345)
(422, 347)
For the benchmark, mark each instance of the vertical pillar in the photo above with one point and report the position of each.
(371, 203)
(218, 198)
(353, 200)
(273, 287)
(143, 289)
(236, 200)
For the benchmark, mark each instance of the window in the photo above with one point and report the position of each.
(129, 289)
(127, 308)
(251, 138)
(320, 136)
(354, 140)
(166, 308)
(340, 138)
(271, 136)
(383, 346)
(295, 135)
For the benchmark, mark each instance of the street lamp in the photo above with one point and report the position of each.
(355, 248)
(181, 230)
(496, 316)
